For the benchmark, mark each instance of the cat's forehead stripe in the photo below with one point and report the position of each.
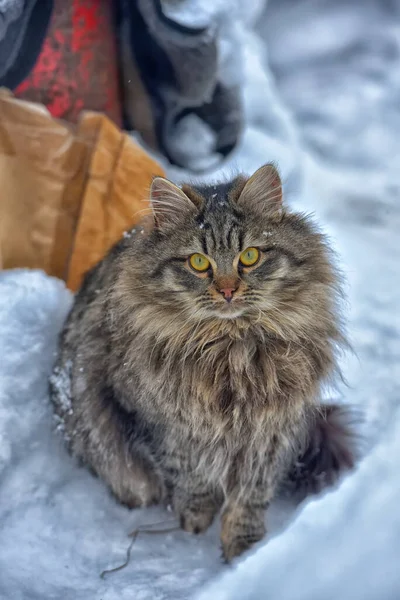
(217, 238)
(229, 237)
(219, 221)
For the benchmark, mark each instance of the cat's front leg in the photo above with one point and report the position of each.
(195, 504)
(242, 526)
(243, 517)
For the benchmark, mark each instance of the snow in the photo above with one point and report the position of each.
(59, 527)
(340, 546)
(321, 92)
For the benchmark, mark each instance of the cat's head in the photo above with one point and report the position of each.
(231, 251)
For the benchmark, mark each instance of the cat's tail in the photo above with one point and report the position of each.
(333, 446)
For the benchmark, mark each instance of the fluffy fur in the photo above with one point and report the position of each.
(171, 392)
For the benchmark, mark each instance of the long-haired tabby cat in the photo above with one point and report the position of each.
(191, 365)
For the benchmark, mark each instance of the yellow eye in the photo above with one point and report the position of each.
(249, 257)
(199, 262)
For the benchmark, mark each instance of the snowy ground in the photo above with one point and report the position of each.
(326, 106)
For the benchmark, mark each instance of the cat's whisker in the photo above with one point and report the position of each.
(143, 211)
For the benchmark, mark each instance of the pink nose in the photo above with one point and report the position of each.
(228, 293)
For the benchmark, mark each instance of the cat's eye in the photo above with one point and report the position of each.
(249, 257)
(199, 262)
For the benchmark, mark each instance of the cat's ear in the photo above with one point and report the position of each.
(263, 192)
(169, 203)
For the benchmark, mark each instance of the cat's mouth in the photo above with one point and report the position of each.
(232, 310)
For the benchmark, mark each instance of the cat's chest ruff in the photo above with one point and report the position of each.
(233, 357)
(230, 373)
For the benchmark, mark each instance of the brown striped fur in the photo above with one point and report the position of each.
(173, 394)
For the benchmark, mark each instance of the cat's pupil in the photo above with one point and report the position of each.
(250, 255)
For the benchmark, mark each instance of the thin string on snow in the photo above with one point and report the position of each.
(134, 534)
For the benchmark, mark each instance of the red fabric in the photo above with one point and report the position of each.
(77, 68)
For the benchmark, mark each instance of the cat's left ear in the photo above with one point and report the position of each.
(263, 192)
(169, 203)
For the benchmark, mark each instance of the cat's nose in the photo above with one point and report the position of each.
(227, 293)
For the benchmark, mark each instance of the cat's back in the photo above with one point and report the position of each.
(96, 283)
(83, 342)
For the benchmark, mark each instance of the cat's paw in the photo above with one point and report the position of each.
(236, 546)
(196, 522)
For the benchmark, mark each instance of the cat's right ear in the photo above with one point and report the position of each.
(263, 192)
(169, 203)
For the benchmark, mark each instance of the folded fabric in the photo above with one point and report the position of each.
(68, 193)
(23, 25)
(176, 94)
(10, 10)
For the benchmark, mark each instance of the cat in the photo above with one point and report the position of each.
(191, 364)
